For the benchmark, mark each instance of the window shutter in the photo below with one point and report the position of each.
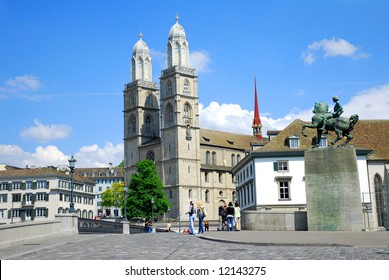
(46, 212)
(34, 185)
(33, 214)
(9, 214)
(47, 184)
(23, 185)
(275, 166)
(33, 198)
(5, 197)
(9, 186)
(46, 197)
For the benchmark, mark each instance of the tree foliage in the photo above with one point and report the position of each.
(114, 196)
(145, 186)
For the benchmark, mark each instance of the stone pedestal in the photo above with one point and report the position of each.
(333, 190)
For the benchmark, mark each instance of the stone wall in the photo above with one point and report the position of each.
(274, 221)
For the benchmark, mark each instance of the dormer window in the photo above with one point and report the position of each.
(206, 139)
(294, 142)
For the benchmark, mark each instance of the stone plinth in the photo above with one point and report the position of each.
(333, 190)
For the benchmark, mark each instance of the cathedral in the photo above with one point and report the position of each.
(161, 123)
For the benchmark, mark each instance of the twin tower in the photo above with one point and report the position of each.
(162, 124)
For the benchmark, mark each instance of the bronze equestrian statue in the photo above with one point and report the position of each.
(331, 121)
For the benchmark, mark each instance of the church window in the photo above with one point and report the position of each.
(169, 117)
(169, 88)
(186, 89)
(206, 174)
(148, 99)
(170, 194)
(148, 125)
(213, 158)
(237, 158)
(190, 194)
(220, 177)
(207, 155)
(207, 196)
(233, 160)
(150, 155)
(132, 125)
(187, 115)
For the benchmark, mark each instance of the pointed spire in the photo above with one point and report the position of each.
(257, 120)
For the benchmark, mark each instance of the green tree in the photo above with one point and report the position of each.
(114, 196)
(145, 186)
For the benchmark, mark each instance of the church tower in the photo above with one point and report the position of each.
(141, 108)
(257, 125)
(180, 131)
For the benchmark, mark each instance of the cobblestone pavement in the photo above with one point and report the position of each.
(175, 246)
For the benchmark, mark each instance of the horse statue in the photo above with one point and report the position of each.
(341, 125)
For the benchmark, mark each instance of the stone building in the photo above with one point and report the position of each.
(161, 123)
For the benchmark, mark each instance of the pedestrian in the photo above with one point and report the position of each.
(148, 226)
(230, 216)
(192, 216)
(222, 217)
(201, 215)
(237, 216)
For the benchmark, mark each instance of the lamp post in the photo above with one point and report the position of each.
(125, 202)
(72, 162)
(152, 210)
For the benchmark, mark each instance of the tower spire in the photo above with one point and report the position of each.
(257, 120)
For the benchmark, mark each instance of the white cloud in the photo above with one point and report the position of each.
(369, 104)
(372, 103)
(331, 47)
(87, 156)
(200, 60)
(46, 133)
(95, 156)
(25, 82)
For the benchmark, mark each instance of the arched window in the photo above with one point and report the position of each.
(169, 88)
(187, 113)
(207, 155)
(190, 194)
(150, 155)
(148, 125)
(186, 89)
(207, 196)
(379, 199)
(237, 158)
(213, 158)
(233, 160)
(132, 125)
(148, 101)
(169, 117)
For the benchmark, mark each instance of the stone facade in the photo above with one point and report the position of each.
(162, 124)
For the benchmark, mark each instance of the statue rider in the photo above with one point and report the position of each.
(338, 110)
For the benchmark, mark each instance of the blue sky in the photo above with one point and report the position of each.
(63, 66)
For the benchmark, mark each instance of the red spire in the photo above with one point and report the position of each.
(257, 120)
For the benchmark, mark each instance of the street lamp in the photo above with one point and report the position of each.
(72, 162)
(125, 201)
(152, 210)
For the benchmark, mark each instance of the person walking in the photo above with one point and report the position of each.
(230, 217)
(222, 217)
(201, 215)
(237, 216)
(192, 216)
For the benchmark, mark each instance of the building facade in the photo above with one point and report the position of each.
(33, 194)
(103, 177)
(162, 124)
(271, 180)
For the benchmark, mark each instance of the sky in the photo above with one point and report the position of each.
(64, 64)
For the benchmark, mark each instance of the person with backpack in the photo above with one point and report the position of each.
(222, 217)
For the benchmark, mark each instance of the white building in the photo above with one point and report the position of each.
(270, 180)
(33, 194)
(103, 177)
